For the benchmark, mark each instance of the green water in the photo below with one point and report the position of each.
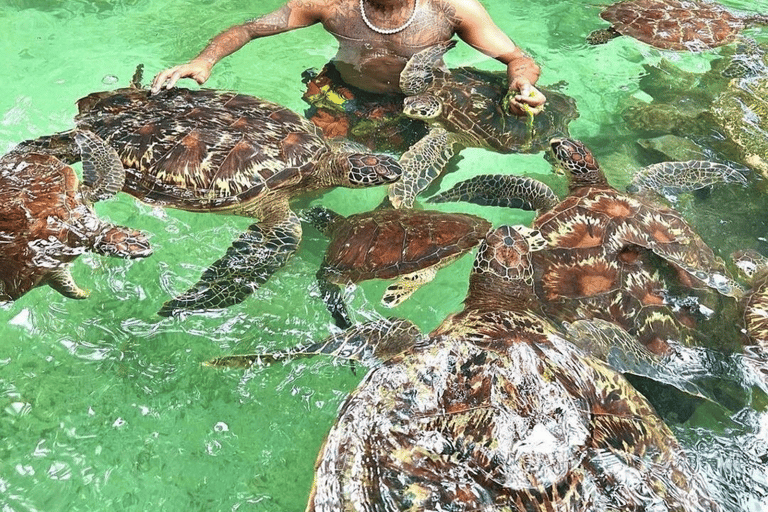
(105, 406)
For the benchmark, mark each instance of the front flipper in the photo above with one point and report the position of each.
(248, 263)
(615, 346)
(369, 343)
(677, 177)
(507, 190)
(62, 281)
(103, 173)
(405, 286)
(421, 164)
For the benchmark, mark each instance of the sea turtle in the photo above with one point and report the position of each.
(47, 219)
(674, 24)
(410, 245)
(407, 244)
(465, 107)
(755, 267)
(494, 410)
(599, 261)
(223, 152)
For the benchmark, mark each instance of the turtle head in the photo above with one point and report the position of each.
(122, 242)
(423, 107)
(357, 170)
(502, 275)
(578, 163)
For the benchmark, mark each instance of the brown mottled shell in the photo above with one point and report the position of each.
(674, 24)
(388, 243)
(472, 106)
(594, 270)
(245, 147)
(39, 203)
(525, 423)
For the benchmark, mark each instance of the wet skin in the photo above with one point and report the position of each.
(369, 60)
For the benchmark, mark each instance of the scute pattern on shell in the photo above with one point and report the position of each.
(525, 424)
(245, 146)
(674, 24)
(388, 243)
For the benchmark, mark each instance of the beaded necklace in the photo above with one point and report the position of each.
(387, 31)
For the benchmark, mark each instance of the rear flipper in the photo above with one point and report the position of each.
(248, 263)
(369, 343)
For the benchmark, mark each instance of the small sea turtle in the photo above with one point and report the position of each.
(675, 24)
(494, 410)
(598, 262)
(46, 217)
(410, 245)
(755, 267)
(213, 151)
(465, 108)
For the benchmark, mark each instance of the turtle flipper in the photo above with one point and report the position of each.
(507, 190)
(418, 72)
(615, 346)
(405, 286)
(248, 263)
(368, 343)
(678, 177)
(421, 164)
(333, 299)
(103, 173)
(62, 281)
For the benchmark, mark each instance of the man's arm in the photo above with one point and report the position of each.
(294, 14)
(476, 28)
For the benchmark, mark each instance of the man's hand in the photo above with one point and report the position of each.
(528, 100)
(198, 69)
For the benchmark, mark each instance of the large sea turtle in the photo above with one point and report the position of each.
(47, 219)
(675, 24)
(494, 410)
(465, 107)
(603, 244)
(213, 151)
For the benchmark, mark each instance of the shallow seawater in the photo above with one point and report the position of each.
(105, 406)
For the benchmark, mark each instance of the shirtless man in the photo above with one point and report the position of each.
(376, 39)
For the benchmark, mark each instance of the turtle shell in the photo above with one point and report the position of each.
(755, 267)
(386, 243)
(526, 422)
(203, 149)
(674, 24)
(472, 107)
(598, 264)
(43, 222)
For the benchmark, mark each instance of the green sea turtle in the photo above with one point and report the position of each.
(494, 410)
(407, 244)
(603, 245)
(675, 24)
(223, 152)
(465, 108)
(47, 219)
(410, 245)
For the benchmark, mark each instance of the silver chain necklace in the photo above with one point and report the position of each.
(387, 30)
